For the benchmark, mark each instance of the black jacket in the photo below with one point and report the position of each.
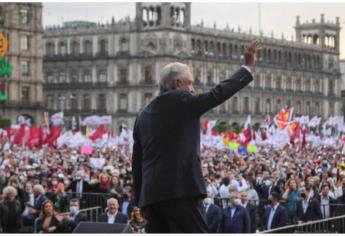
(213, 217)
(11, 216)
(252, 213)
(119, 218)
(81, 216)
(313, 211)
(280, 217)
(166, 153)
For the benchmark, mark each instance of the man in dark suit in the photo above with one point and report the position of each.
(308, 208)
(34, 211)
(251, 210)
(78, 185)
(127, 202)
(113, 215)
(167, 175)
(326, 201)
(276, 215)
(213, 215)
(235, 218)
(75, 216)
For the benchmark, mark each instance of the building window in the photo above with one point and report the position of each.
(299, 108)
(123, 106)
(49, 77)
(87, 76)
(103, 46)
(25, 94)
(330, 87)
(24, 16)
(246, 105)
(268, 106)
(86, 102)
(2, 16)
(257, 81)
(25, 68)
(124, 45)
(24, 42)
(209, 78)
(75, 48)
(88, 47)
(102, 102)
(123, 74)
(298, 85)
(279, 83)
(50, 50)
(62, 77)
(288, 84)
(147, 98)
(73, 102)
(102, 75)
(317, 108)
(62, 48)
(74, 76)
(257, 105)
(268, 82)
(278, 105)
(148, 74)
(50, 102)
(234, 104)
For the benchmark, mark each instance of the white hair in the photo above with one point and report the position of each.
(39, 188)
(169, 73)
(8, 190)
(112, 200)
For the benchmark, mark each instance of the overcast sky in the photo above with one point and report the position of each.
(277, 17)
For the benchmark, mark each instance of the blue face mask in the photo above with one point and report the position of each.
(73, 210)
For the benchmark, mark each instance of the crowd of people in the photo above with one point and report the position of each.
(46, 189)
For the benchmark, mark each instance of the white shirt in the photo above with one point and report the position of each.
(111, 218)
(270, 218)
(324, 205)
(305, 204)
(232, 211)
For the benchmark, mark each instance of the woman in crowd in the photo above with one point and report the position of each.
(292, 195)
(11, 211)
(137, 221)
(49, 221)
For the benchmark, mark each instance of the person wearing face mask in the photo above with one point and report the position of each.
(251, 210)
(276, 215)
(78, 186)
(235, 218)
(308, 208)
(75, 217)
(213, 215)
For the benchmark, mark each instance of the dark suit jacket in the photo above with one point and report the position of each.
(239, 223)
(73, 186)
(213, 216)
(119, 218)
(166, 153)
(38, 202)
(280, 218)
(73, 223)
(313, 211)
(252, 213)
(331, 202)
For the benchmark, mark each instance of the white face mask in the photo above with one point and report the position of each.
(73, 209)
(237, 201)
(268, 182)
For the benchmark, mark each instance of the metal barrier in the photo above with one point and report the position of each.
(330, 225)
(92, 213)
(90, 199)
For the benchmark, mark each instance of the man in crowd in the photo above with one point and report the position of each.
(213, 214)
(276, 215)
(251, 210)
(308, 208)
(75, 217)
(113, 215)
(235, 218)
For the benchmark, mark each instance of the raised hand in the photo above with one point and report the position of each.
(249, 55)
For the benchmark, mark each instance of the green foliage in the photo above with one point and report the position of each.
(5, 68)
(5, 123)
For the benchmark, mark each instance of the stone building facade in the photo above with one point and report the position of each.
(21, 23)
(115, 68)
